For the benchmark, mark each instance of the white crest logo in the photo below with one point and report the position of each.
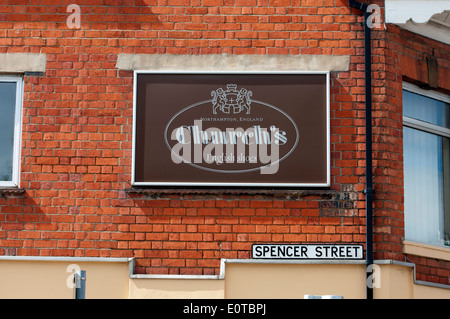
(231, 100)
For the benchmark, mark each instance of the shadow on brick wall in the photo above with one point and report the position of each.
(109, 15)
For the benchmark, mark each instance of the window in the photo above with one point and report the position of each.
(10, 129)
(426, 119)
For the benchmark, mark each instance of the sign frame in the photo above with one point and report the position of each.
(135, 183)
(360, 246)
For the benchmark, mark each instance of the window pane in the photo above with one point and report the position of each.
(7, 116)
(426, 109)
(426, 159)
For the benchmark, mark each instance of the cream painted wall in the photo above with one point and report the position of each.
(144, 288)
(293, 281)
(394, 282)
(425, 292)
(239, 279)
(48, 280)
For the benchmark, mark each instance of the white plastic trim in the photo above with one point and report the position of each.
(419, 11)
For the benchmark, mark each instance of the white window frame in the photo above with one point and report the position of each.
(421, 125)
(17, 130)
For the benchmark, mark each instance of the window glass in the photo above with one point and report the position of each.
(426, 109)
(7, 120)
(426, 170)
(424, 185)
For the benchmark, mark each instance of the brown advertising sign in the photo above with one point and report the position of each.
(231, 129)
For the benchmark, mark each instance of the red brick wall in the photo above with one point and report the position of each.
(76, 155)
(409, 53)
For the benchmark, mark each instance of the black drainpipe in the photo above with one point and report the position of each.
(369, 189)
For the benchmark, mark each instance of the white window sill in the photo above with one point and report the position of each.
(426, 250)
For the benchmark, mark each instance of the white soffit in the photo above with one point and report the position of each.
(430, 18)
